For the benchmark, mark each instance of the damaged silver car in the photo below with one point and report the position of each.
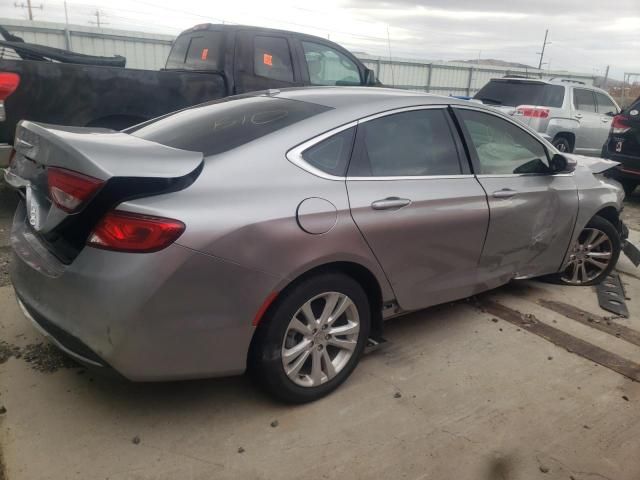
(277, 231)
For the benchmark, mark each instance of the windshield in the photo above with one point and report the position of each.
(514, 93)
(200, 50)
(219, 126)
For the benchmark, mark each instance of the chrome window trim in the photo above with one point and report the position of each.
(507, 175)
(295, 154)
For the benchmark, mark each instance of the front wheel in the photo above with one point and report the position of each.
(594, 254)
(313, 339)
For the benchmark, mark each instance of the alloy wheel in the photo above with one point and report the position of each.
(320, 339)
(589, 257)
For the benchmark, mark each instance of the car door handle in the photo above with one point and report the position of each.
(390, 203)
(504, 193)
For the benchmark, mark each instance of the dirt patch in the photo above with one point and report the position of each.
(42, 357)
(5, 256)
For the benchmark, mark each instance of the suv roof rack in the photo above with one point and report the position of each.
(526, 77)
(566, 80)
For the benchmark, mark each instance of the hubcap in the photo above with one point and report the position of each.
(320, 339)
(589, 257)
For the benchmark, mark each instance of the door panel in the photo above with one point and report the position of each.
(531, 229)
(588, 137)
(429, 249)
(423, 219)
(532, 212)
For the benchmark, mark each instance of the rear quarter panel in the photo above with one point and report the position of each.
(243, 209)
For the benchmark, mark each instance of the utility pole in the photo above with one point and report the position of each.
(28, 6)
(606, 77)
(544, 44)
(98, 22)
(67, 33)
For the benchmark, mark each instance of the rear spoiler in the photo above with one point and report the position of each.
(102, 153)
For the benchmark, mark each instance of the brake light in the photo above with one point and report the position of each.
(531, 111)
(69, 189)
(134, 232)
(618, 125)
(8, 84)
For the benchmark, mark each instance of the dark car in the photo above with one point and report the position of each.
(623, 145)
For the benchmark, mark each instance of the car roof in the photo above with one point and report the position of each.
(375, 98)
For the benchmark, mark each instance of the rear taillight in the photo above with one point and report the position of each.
(134, 232)
(533, 112)
(8, 84)
(619, 126)
(69, 190)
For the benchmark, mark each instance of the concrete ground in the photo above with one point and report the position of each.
(458, 393)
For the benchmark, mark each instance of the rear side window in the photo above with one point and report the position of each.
(514, 93)
(272, 58)
(221, 126)
(332, 154)
(417, 143)
(583, 100)
(605, 105)
(197, 51)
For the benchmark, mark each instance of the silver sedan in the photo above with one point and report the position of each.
(277, 231)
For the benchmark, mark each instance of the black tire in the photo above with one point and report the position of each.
(629, 186)
(562, 144)
(606, 227)
(266, 363)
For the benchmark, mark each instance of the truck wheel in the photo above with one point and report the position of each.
(629, 186)
(313, 339)
(562, 144)
(593, 256)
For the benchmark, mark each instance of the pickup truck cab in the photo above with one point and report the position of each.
(206, 62)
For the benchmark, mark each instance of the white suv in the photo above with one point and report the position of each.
(571, 115)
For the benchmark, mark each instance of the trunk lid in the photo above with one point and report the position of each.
(129, 167)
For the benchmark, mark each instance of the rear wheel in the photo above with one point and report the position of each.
(313, 339)
(594, 254)
(562, 144)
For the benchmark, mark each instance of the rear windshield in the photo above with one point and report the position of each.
(515, 93)
(197, 51)
(216, 127)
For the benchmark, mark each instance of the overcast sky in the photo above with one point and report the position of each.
(586, 35)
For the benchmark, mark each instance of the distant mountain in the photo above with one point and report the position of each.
(496, 63)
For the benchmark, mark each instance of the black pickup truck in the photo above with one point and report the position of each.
(206, 62)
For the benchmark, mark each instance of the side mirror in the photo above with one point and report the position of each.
(561, 164)
(370, 77)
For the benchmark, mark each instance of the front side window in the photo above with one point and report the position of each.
(417, 143)
(501, 147)
(605, 104)
(332, 154)
(272, 58)
(328, 66)
(583, 100)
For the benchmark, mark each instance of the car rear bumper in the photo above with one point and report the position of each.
(169, 315)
